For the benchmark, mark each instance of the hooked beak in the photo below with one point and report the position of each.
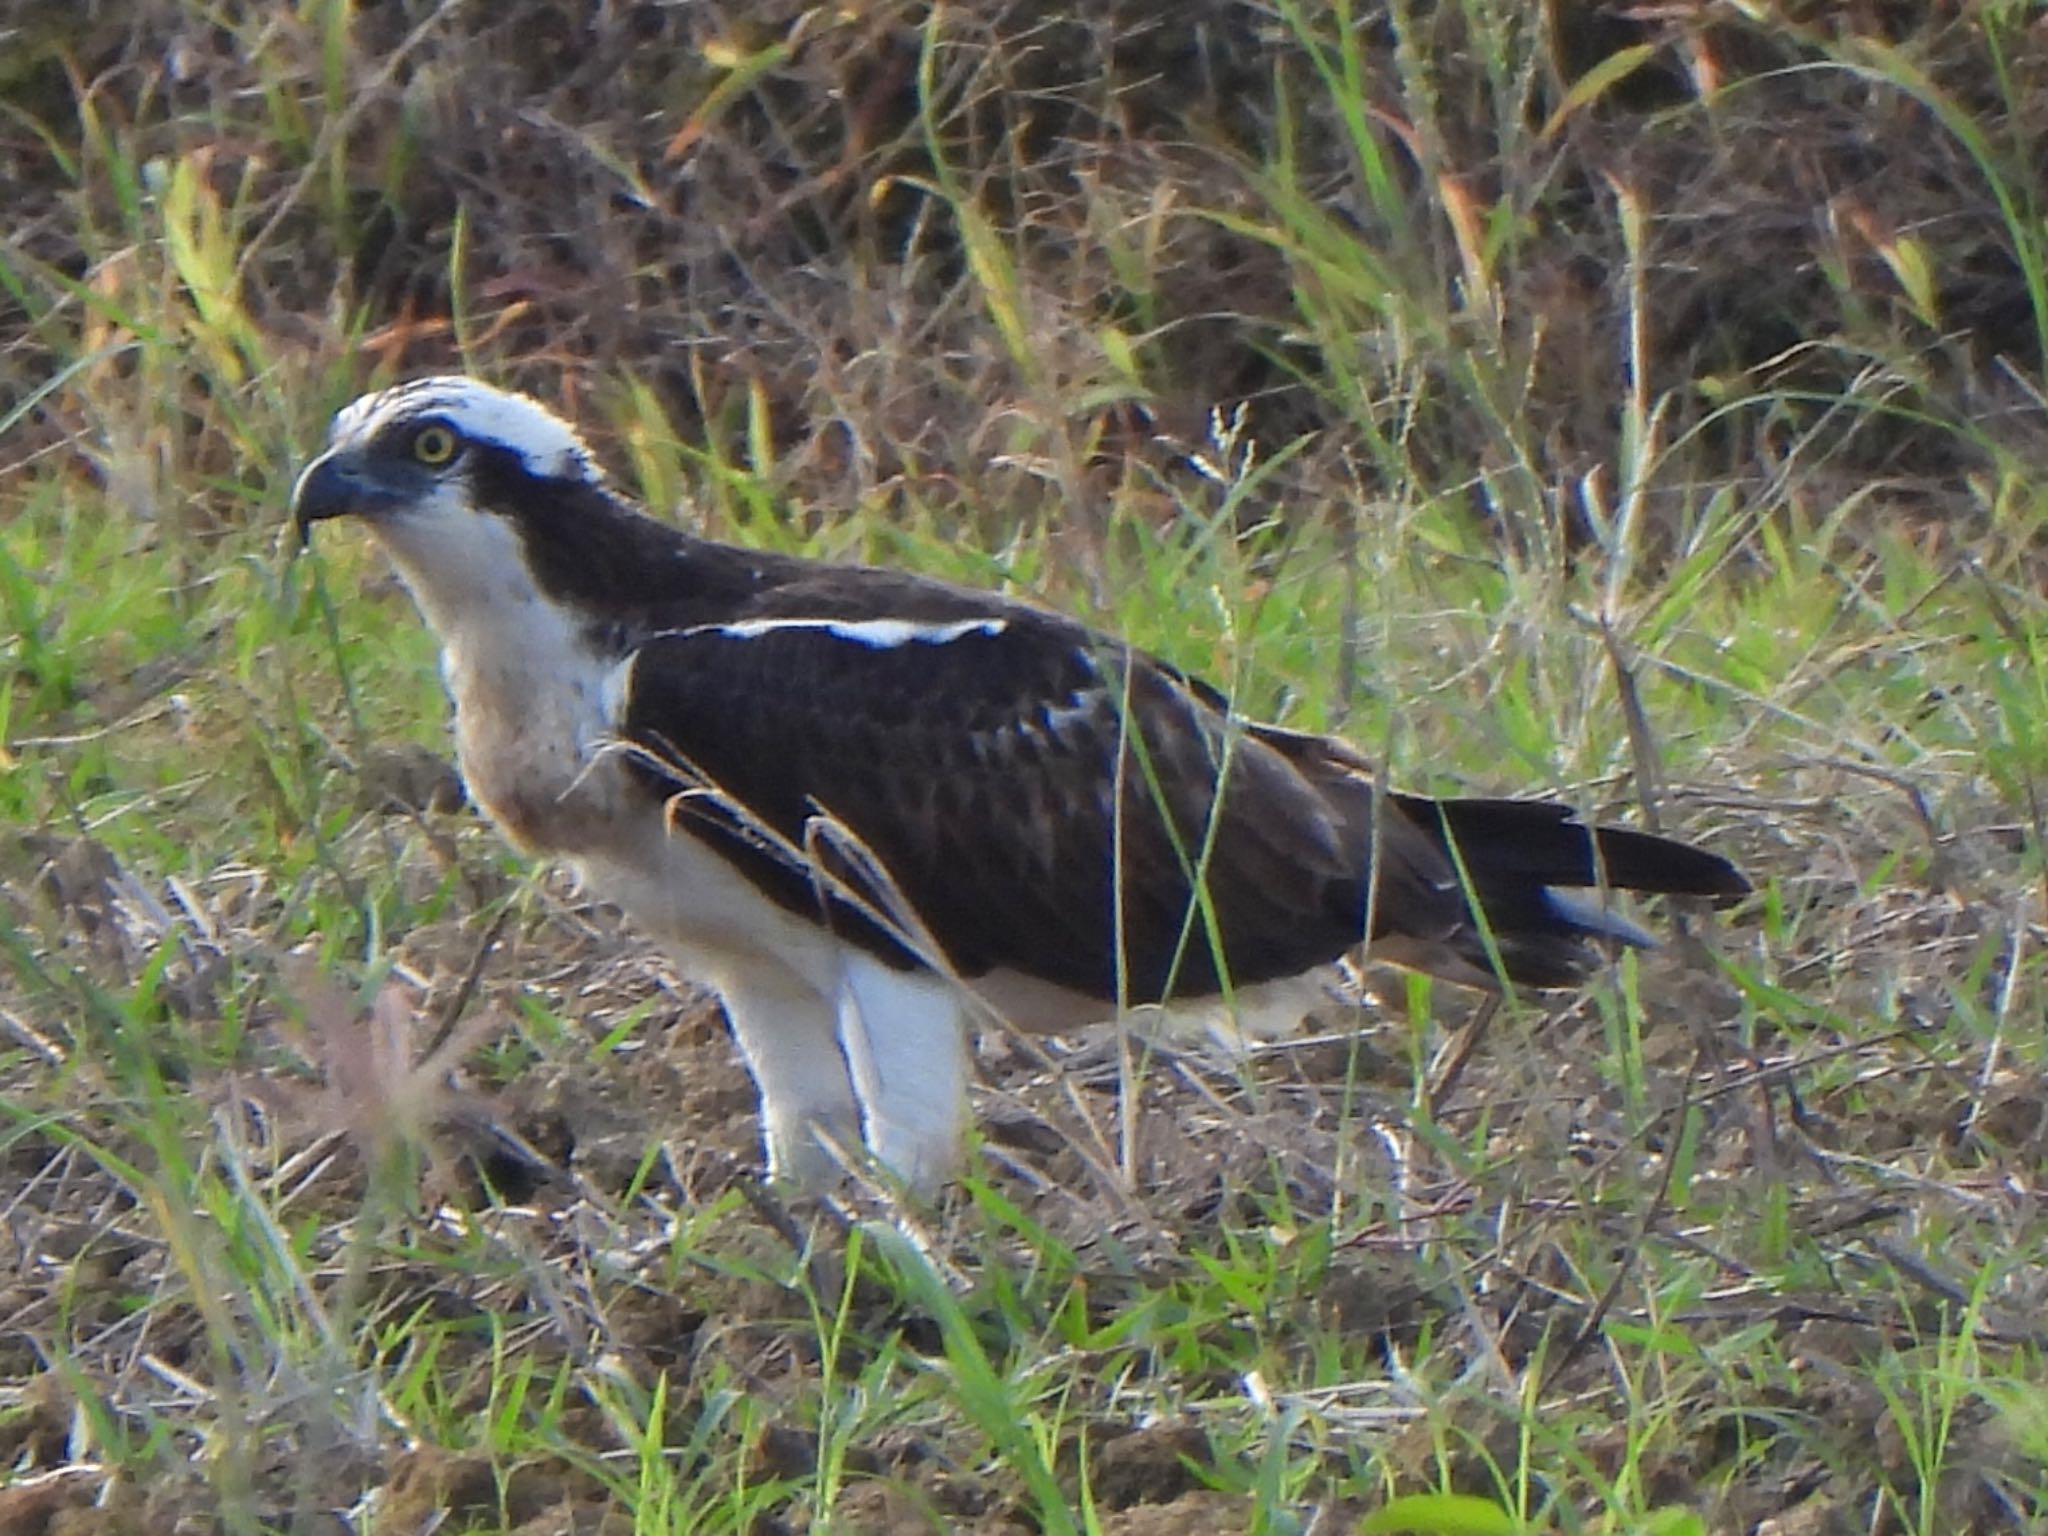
(336, 485)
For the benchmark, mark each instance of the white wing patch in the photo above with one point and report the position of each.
(875, 634)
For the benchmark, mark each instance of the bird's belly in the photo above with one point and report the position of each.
(1267, 1010)
(711, 918)
(537, 761)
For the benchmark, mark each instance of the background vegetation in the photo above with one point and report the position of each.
(1641, 405)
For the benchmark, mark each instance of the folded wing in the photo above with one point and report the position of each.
(1051, 802)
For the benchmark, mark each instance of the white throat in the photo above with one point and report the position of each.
(509, 652)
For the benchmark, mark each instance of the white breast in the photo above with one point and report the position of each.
(529, 689)
(536, 711)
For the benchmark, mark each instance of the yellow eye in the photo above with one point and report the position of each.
(433, 445)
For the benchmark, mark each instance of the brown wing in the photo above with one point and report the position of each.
(1046, 800)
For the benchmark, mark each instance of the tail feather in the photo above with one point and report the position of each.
(1523, 861)
(1546, 842)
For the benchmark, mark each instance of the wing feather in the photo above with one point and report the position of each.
(976, 750)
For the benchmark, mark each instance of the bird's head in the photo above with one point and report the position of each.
(422, 461)
(487, 502)
(484, 500)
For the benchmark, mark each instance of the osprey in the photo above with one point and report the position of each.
(867, 807)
